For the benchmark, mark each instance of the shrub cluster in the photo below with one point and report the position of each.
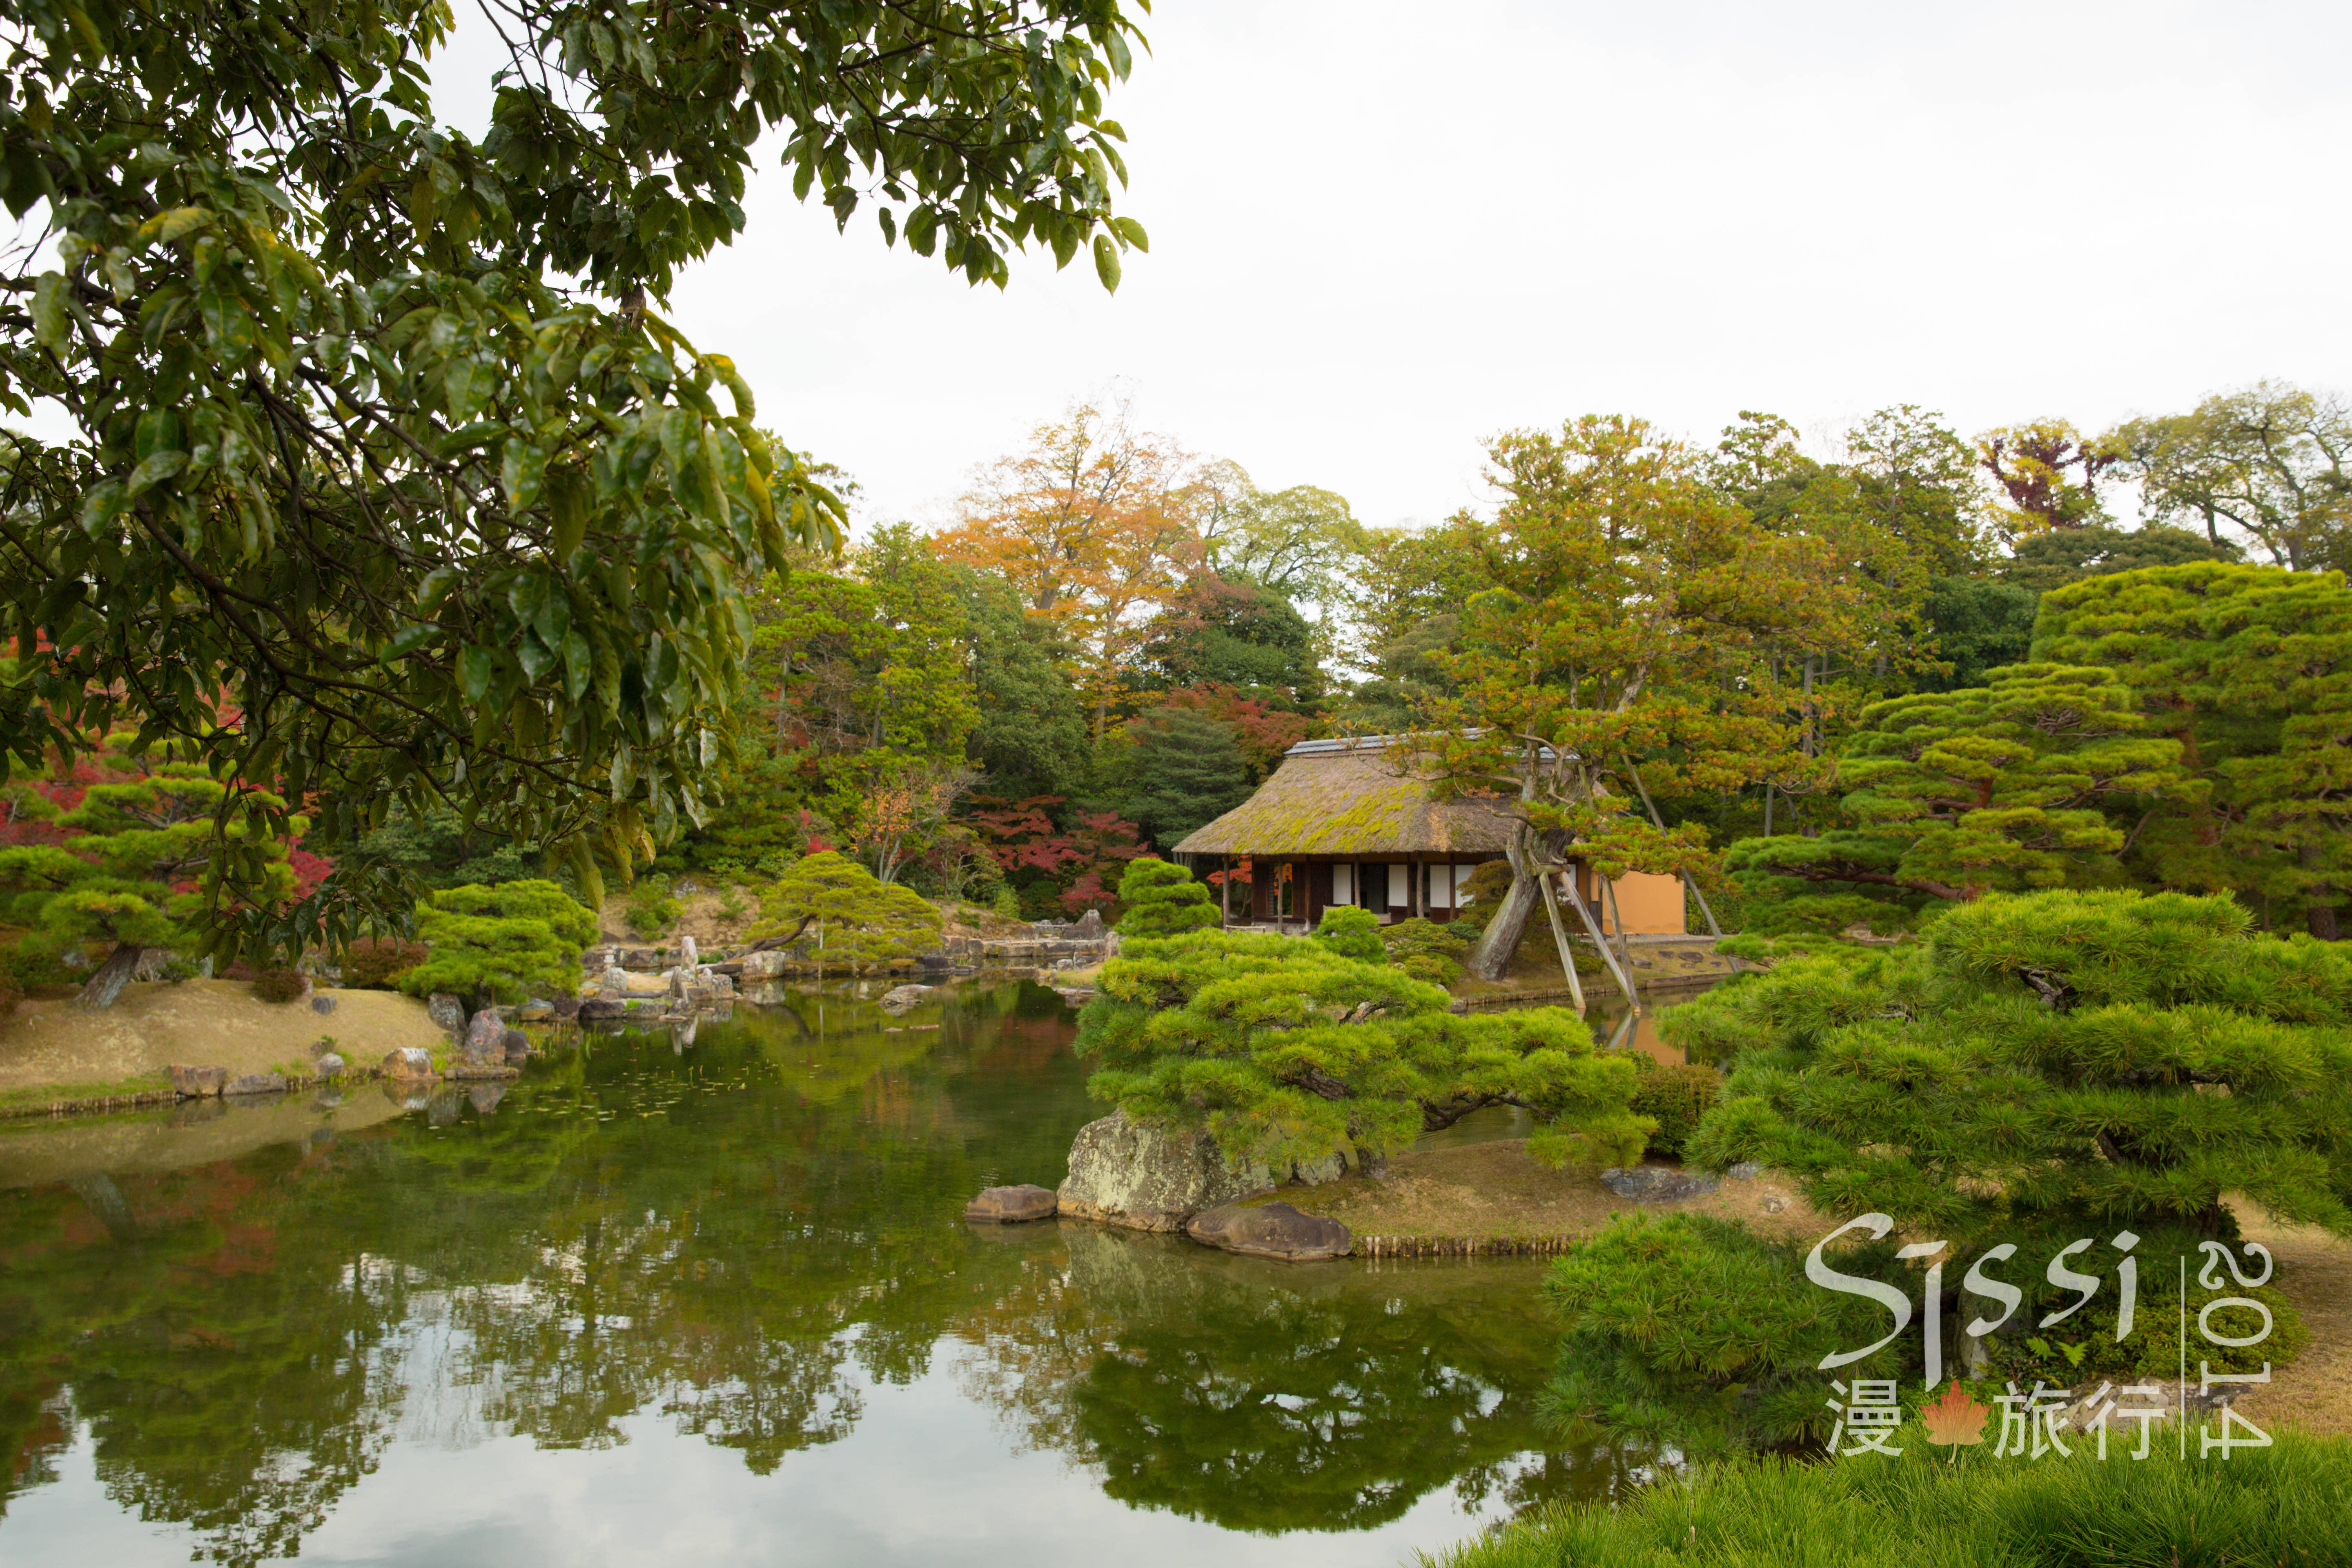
(1427, 950)
(651, 908)
(376, 964)
(853, 921)
(279, 985)
(1675, 1095)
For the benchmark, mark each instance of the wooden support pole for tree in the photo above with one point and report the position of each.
(1616, 920)
(1560, 940)
(1584, 913)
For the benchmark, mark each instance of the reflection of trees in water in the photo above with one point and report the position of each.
(1270, 1396)
(223, 1388)
(739, 1245)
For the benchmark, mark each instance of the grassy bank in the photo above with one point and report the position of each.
(2282, 1505)
(51, 1050)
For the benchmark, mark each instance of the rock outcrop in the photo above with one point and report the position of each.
(413, 1062)
(1151, 1178)
(1655, 1184)
(1270, 1230)
(1012, 1206)
(254, 1083)
(196, 1082)
(447, 1013)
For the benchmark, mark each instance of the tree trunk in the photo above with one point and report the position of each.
(98, 992)
(1491, 954)
(2321, 921)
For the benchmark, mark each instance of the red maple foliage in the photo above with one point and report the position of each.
(1081, 860)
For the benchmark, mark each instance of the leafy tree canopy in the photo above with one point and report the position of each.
(1289, 1050)
(2268, 463)
(389, 483)
(506, 943)
(2053, 559)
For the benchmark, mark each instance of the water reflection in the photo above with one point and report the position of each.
(748, 1240)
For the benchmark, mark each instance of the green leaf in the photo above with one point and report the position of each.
(1106, 262)
(568, 501)
(537, 658)
(50, 321)
(475, 666)
(1132, 232)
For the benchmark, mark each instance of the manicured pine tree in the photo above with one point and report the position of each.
(2043, 1068)
(1163, 899)
(1954, 794)
(501, 943)
(1285, 1051)
(843, 917)
(119, 877)
(2250, 669)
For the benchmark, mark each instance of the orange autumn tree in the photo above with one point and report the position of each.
(1091, 524)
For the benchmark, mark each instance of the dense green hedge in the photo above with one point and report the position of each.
(2281, 1506)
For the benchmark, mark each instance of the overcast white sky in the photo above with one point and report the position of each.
(1382, 233)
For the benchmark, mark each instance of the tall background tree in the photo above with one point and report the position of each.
(379, 434)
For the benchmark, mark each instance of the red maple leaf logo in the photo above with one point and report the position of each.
(1954, 1419)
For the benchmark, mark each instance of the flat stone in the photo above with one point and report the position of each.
(1012, 1206)
(196, 1082)
(1655, 1184)
(413, 1062)
(1124, 1173)
(1314, 1172)
(327, 1066)
(255, 1083)
(447, 1012)
(476, 1072)
(1746, 1171)
(537, 1010)
(594, 1007)
(565, 1008)
(322, 1003)
(1270, 1230)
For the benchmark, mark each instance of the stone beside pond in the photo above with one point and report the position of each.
(1012, 1206)
(1126, 1174)
(1270, 1230)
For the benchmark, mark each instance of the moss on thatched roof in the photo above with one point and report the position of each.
(1329, 798)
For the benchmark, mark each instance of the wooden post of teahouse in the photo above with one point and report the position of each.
(1560, 940)
(1225, 890)
(1584, 913)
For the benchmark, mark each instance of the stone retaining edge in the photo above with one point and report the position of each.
(1463, 1246)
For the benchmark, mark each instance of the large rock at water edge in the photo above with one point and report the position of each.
(1012, 1206)
(447, 1012)
(486, 1040)
(413, 1062)
(1655, 1184)
(1151, 1178)
(196, 1082)
(328, 1064)
(1271, 1230)
(255, 1083)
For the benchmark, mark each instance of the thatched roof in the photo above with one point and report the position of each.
(1352, 798)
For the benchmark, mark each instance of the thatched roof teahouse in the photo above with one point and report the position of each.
(1350, 822)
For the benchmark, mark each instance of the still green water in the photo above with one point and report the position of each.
(663, 1301)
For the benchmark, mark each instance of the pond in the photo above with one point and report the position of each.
(661, 1302)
